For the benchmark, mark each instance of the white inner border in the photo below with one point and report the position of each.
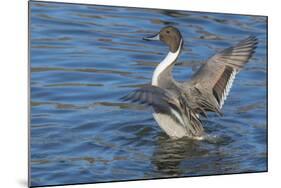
(232, 6)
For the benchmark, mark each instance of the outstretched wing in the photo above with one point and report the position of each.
(216, 76)
(151, 95)
(166, 102)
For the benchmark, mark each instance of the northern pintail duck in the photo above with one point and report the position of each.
(178, 106)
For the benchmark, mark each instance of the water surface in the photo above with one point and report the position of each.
(84, 58)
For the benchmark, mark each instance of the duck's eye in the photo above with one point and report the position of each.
(168, 31)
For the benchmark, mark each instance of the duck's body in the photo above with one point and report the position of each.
(179, 105)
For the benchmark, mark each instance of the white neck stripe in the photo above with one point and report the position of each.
(167, 61)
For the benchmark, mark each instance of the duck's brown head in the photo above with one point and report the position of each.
(170, 36)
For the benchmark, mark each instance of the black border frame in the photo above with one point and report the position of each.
(129, 180)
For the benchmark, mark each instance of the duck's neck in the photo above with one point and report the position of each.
(166, 65)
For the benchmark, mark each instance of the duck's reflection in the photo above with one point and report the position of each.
(169, 154)
(185, 156)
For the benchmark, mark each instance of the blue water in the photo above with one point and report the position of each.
(84, 58)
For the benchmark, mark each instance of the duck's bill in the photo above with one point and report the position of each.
(153, 37)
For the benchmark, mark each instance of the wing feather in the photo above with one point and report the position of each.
(216, 76)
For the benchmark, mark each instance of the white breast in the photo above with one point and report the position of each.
(172, 128)
(168, 60)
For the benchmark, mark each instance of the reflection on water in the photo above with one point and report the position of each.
(173, 157)
(84, 58)
(169, 154)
